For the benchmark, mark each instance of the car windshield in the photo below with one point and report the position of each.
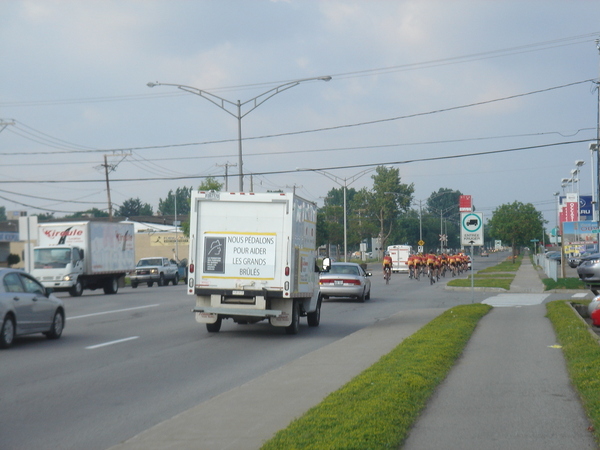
(56, 258)
(344, 269)
(150, 262)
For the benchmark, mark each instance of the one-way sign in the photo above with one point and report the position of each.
(471, 229)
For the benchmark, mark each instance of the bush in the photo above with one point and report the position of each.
(13, 259)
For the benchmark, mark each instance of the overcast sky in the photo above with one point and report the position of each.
(417, 85)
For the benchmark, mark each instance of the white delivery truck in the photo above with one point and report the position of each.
(399, 254)
(253, 257)
(73, 256)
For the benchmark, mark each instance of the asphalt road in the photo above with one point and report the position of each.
(129, 361)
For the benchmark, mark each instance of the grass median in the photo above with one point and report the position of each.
(581, 350)
(376, 409)
(499, 276)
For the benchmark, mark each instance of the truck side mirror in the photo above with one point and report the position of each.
(326, 264)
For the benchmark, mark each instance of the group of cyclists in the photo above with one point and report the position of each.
(430, 265)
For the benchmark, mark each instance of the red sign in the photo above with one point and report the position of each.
(465, 203)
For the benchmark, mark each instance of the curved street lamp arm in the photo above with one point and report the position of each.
(257, 101)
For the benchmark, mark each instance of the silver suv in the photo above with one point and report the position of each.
(154, 270)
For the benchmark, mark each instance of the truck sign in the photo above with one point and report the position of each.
(471, 230)
(239, 255)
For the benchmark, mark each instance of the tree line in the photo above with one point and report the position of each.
(387, 210)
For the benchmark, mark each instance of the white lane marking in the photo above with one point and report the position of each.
(515, 299)
(105, 344)
(580, 295)
(112, 312)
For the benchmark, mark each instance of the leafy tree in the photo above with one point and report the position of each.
(387, 199)
(134, 207)
(330, 218)
(444, 218)
(182, 195)
(94, 212)
(516, 223)
(44, 217)
(210, 184)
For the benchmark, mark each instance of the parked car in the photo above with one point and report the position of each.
(484, 253)
(345, 279)
(553, 255)
(27, 307)
(574, 261)
(589, 271)
(154, 270)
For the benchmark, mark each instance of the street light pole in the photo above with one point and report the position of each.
(237, 107)
(343, 182)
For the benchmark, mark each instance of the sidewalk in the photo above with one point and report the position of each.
(509, 390)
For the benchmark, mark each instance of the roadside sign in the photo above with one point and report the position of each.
(471, 229)
(421, 242)
(420, 249)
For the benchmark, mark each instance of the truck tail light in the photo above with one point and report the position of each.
(287, 271)
(191, 268)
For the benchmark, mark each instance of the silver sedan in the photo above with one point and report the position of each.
(345, 280)
(27, 307)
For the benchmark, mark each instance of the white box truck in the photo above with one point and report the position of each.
(253, 257)
(73, 256)
(399, 254)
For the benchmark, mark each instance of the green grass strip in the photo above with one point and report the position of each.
(376, 409)
(582, 354)
(506, 266)
(563, 283)
(503, 283)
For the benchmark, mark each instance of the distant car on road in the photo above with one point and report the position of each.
(484, 253)
(27, 307)
(345, 279)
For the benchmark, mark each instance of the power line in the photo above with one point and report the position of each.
(336, 127)
(352, 166)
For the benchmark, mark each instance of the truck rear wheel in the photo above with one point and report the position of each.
(111, 286)
(294, 327)
(214, 327)
(314, 318)
(176, 280)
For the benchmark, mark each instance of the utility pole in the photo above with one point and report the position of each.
(227, 165)
(110, 212)
(598, 138)
(107, 169)
(294, 188)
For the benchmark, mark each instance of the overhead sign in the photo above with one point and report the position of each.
(465, 203)
(471, 228)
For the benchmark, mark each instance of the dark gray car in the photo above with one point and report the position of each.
(27, 307)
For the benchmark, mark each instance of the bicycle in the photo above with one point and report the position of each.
(387, 273)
